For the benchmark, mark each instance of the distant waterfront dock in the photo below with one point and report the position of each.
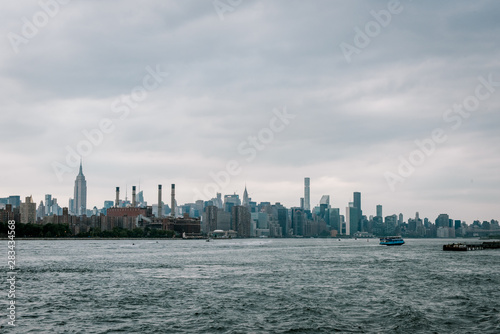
(470, 247)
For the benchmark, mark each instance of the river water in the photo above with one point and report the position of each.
(252, 286)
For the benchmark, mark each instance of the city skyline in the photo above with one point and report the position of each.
(354, 203)
(243, 165)
(272, 92)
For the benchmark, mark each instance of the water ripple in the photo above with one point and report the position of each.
(254, 286)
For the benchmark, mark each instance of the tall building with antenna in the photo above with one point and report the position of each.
(80, 199)
(246, 200)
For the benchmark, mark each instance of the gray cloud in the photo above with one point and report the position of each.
(352, 121)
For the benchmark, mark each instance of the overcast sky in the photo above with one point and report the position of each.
(358, 101)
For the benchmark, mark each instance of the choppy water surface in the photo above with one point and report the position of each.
(254, 286)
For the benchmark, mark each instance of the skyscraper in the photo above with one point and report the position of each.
(218, 202)
(283, 220)
(40, 212)
(28, 211)
(351, 220)
(80, 198)
(140, 198)
(246, 201)
(443, 220)
(210, 218)
(359, 213)
(71, 206)
(357, 200)
(325, 199)
(223, 220)
(241, 218)
(379, 210)
(335, 220)
(55, 208)
(230, 201)
(298, 219)
(15, 201)
(48, 204)
(307, 193)
(324, 205)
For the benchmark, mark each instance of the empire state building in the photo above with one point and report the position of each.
(80, 199)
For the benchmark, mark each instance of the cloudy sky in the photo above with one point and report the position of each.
(356, 84)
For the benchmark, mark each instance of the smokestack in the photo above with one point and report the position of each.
(134, 204)
(172, 202)
(160, 206)
(117, 200)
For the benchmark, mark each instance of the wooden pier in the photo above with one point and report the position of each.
(459, 247)
(491, 244)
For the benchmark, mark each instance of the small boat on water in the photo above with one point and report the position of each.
(392, 241)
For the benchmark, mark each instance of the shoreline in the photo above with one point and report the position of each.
(98, 238)
(18, 239)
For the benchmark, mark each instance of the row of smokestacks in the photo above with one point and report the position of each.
(160, 205)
